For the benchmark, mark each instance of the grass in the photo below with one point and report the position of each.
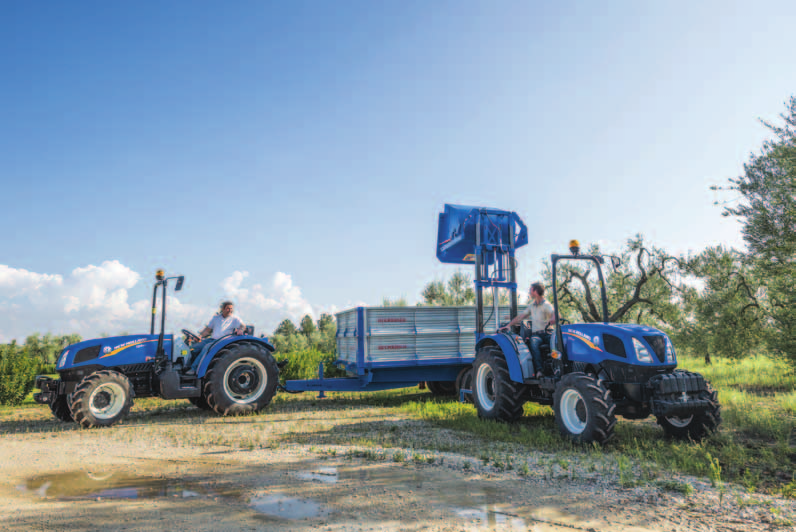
(754, 446)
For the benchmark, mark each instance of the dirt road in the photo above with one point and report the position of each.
(85, 480)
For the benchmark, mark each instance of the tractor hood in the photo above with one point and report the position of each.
(637, 344)
(113, 351)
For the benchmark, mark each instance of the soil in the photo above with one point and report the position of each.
(77, 481)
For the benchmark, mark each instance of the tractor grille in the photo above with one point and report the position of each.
(658, 344)
(614, 345)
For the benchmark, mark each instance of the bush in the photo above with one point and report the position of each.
(46, 369)
(17, 373)
(303, 365)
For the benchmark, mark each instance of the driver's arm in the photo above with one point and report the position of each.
(207, 331)
(517, 319)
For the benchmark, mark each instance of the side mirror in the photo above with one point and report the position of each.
(180, 280)
(616, 262)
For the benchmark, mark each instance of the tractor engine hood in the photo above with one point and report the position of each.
(112, 351)
(637, 344)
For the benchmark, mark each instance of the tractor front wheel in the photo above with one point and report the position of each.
(495, 395)
(101, 399)
(584, 409)
(241, 379)
(698, 425)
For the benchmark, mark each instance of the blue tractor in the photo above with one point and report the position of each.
(592, 372)
(100, 377)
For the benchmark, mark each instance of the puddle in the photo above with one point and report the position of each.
(285, 507)
(280, 492)
(327, 475)
(109, 485)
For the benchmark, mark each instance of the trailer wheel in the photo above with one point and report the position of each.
(441, 388)
(584, 409)
(241, 379)
(696, 426)
(60, 409)
(101, 399)
(464, 381)
(495, 395)
(200, 402)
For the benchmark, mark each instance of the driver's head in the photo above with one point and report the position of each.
(227, 307)
(537, 289)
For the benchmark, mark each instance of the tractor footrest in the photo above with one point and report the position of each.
(173, 385)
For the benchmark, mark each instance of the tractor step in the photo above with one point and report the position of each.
(174, 385)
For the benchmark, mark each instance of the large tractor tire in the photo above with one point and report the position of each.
(200, 402)
(241, 379)
(584, 409)
(464, 381)
(60, 409)
(495, 395)
(696, 426)
(442, 388)
(101, 399)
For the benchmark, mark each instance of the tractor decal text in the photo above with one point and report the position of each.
(120, 348)
(580, 336)
(392, 320)
(390, 347)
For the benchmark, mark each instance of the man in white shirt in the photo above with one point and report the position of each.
(219, 326)
(542, 315)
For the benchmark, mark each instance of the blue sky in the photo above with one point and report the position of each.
(294, 155)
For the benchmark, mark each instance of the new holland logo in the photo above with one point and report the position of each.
(106, 349)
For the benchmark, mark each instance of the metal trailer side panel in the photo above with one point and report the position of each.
(407, 336)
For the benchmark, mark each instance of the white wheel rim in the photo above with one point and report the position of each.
(245, 380)
(570, 400)
(107, 400)
(680, 422)
(485, 386)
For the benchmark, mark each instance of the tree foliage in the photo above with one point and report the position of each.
(457, 291)
(767, 211)
(17, 372)
(726, 312)
(310, 335)
(643, 288)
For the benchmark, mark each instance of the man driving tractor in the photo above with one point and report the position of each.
(542, 316)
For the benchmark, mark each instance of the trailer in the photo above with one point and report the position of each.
(384, 348)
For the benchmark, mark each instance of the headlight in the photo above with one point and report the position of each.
(642, 355)
(62, 358)
(670, 358)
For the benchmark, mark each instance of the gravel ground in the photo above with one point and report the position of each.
(79, 481)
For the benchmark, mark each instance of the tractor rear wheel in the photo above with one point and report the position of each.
(101, 399)
(200, 402)
(584, 409)
(441, 388)
(495, 395)
(241, 379)
(60, 409)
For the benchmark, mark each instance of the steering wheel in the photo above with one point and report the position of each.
(191, 336)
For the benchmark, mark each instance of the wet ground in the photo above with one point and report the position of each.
(317, 492)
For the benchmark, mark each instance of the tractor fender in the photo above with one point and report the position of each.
(204, 363)
(516, 353)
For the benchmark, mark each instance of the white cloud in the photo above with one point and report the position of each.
(266, 307)
(95, 299)
(15, 282)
